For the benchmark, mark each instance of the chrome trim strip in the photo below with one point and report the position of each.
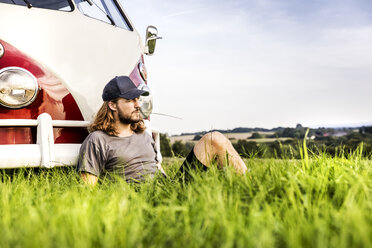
(33, 123)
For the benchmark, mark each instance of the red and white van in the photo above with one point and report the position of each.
(55, 58)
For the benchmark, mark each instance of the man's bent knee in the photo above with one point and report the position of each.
(216, 139)
(209, 146)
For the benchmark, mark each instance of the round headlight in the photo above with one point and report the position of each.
(145, 101)
(18, 87)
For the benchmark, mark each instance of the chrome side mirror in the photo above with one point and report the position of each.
(151, 37)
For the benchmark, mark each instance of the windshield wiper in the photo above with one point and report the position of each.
(90, 2)
(112, 21)
(29, 5)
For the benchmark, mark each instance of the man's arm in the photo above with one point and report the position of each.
(91, 158)
(89, 178)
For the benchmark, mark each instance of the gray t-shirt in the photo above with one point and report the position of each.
(132, 157)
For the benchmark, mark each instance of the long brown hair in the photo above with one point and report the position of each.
(104, 121)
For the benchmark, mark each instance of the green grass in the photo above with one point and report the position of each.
(314, 202)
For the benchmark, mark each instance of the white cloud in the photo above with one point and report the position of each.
(267, 63)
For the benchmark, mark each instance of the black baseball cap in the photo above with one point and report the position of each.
(123, 87)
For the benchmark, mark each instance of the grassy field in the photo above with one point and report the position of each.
(315, 202)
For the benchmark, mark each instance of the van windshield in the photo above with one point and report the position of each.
(63, 5)
(103, 10)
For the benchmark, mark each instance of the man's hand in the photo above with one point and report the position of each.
(89, 178)
(161, 168)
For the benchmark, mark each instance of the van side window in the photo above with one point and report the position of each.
(103, 10)
(63, 5)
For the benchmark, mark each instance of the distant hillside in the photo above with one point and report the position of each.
(281, 142)
(277, 130)
(235, 130)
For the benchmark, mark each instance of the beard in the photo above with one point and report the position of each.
(125, 119)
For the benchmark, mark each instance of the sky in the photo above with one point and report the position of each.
(227, 64)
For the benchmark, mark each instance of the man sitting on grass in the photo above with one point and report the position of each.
(118, 144)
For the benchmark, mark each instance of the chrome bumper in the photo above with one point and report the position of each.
(45, 153)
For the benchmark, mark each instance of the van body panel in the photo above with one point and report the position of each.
(52, 98)
(72, 57)
(63, 45)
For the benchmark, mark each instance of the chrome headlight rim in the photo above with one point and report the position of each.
(2, 50)
(35, 88)
(142, 70)
(145, 113)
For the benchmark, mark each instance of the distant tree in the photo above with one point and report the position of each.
(180, 149)
(247, 149)
(256, 135)
(364, 130)
(288, 132)
(197, 137)
(188, 147)
(292, 133)
(299, 126)
(318, 133)
(165, 146)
